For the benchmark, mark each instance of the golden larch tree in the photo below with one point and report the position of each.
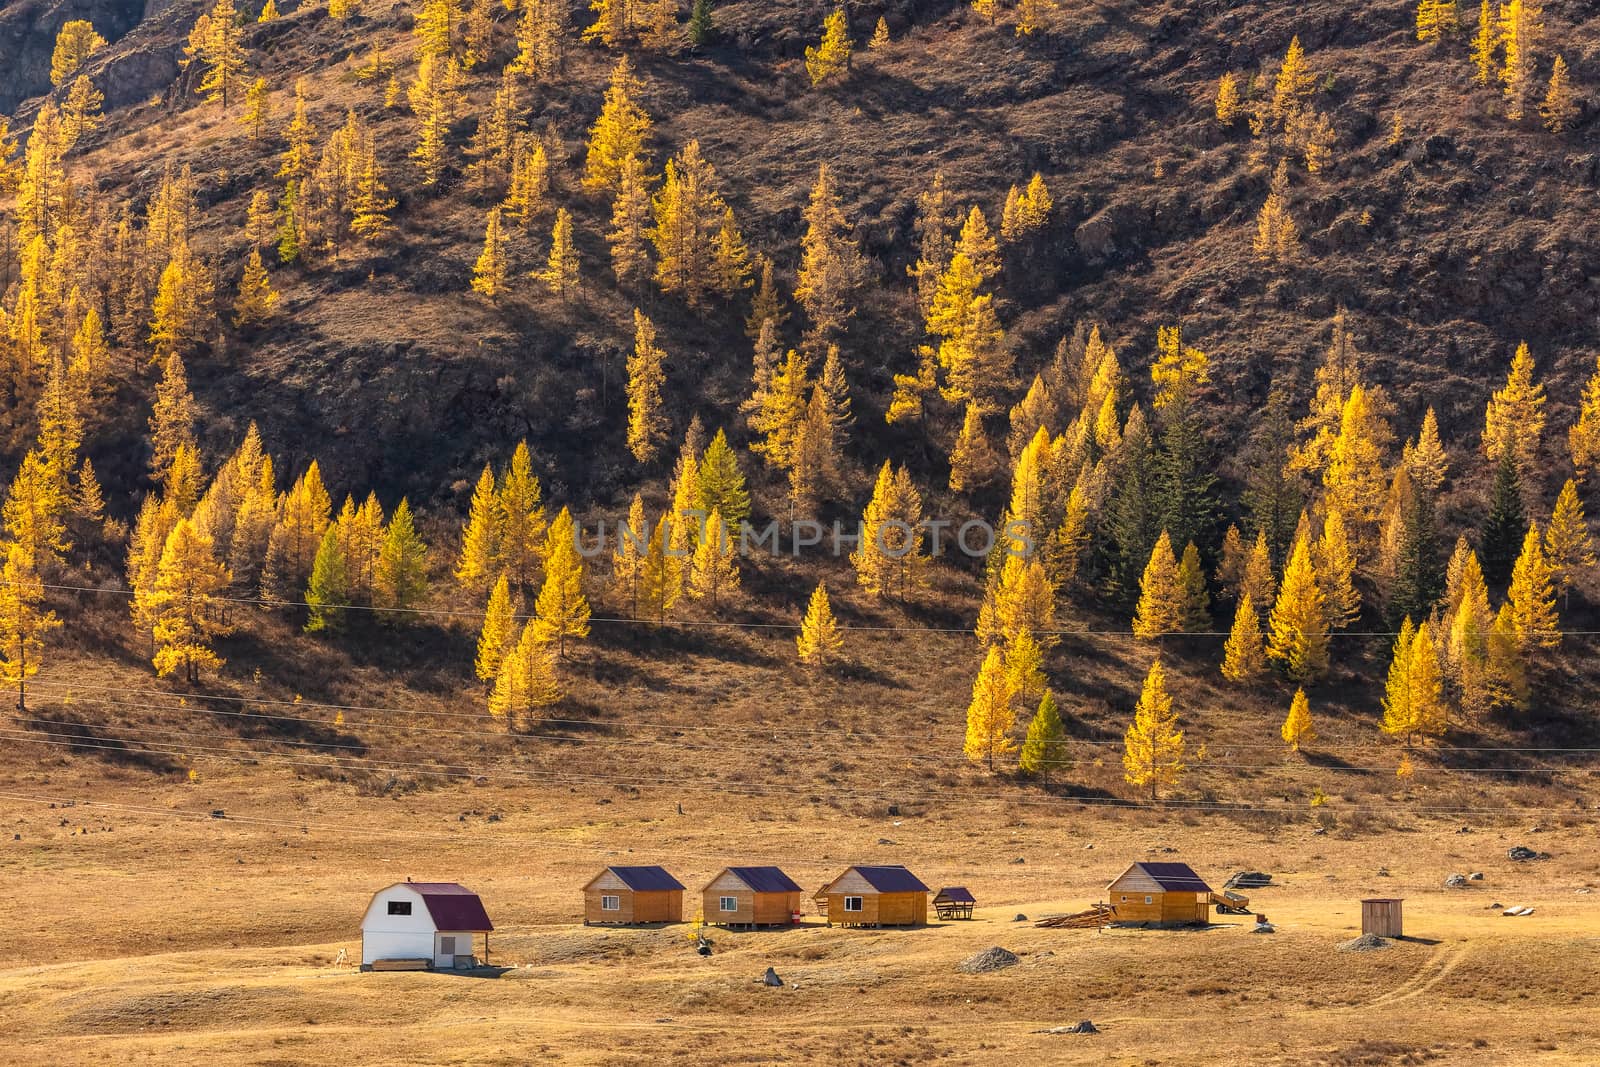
(217, 43)
(829, 58)
(76, 41)
(1299, 625)
(184, 606)
(618, 134)
(562, 609)
(496, 635)
(1514, 417)
(1558, 110)
(561, 267)
(819, 641)
(714, 568)
(1153, 747)
(647, 423)
(1532, 597)
(1568, 547)
(831, 266)
(1160, 608)
(23, 623)
(1297, 728)
(990, 718)
(489, 272)
(1244, 656)
(661, 572)
(527, 682)
(1336, 570)
(1521, 26)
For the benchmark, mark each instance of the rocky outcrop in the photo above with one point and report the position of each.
(28, 37)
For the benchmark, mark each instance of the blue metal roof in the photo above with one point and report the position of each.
(646, 879)
(765, 879)
(955, 894)
(891, 879)
(1175, 877)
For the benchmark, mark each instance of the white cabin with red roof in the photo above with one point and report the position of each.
(427, 924)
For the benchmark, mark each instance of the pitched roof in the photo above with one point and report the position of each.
(891, 879)
(452, 906)
(765, 879)
(1175, 877)
(955, 894)
(646, 879)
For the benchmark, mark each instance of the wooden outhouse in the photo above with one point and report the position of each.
(624, 895)
(751, 896)
(1167, 893)
(1381, 916)
(423, 926)
(874, 896)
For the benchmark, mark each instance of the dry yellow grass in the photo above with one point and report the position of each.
(143, 937)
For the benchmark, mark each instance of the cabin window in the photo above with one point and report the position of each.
(447, 945)
(728, 903)
(399, 907)
(610, 903)
(852, 903)
(1149, 900)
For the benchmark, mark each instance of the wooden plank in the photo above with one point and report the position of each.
(401, 965)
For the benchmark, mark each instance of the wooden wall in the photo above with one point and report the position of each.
(755, 909)
(665, 906)
(1164, 907)
(879, 909)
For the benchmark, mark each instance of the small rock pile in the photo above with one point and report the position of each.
(1365, 943)
(990, 959)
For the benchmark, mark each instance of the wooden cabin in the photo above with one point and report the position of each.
(751, 896)
(954, 902)
(423, 926)
(627, 895)
(1381, 916)
(874, 896)
(1170, 894)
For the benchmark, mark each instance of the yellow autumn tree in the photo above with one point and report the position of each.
(1153, 747)
(561, 610)
(660, 572)
(1521, 26)
(76, 41)
(1568, 547)
(1299, 624)
(1484, 43)
(647, 423)
(217, 43)
(1514, 418)
(714, 568)
(619, 134)
(1160, 609)
(1336, 569)
(1532, 597)
(561, 267)
(889, 561)
(527, 682)
(831, 267)
(23, 622)
(1244, 657)
(829, 59)
(184, 606)
(1583, 437)
(1558, 110)
(1297, 727)
(819, 641)
(498, 632)
(990, 717)
(1226, 103)
(1277, 238)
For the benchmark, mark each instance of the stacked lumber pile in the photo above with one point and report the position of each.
(1099, 915)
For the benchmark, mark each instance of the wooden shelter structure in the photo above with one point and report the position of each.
(627, 895)
(751, 896)
(1381, 916)
(874, 896)
(1167, 894)
(954, 902)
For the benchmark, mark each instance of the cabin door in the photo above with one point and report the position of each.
(446, 956)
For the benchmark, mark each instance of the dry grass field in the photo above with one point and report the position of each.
(148, 931)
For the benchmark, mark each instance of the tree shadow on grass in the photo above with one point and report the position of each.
(85, 739)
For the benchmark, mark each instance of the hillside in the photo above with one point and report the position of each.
(1301, 325)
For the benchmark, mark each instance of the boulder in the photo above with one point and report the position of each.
(990, 959)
